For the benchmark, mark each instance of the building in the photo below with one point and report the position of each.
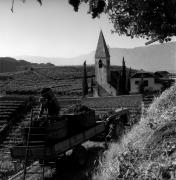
(106, 81)
(151, 82)
(162, 74)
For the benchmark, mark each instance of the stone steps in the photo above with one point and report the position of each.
(9, 113)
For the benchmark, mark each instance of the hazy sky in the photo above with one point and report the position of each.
(53, 30)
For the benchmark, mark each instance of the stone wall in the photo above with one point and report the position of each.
(104, 104)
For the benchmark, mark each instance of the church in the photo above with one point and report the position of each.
(106, 81)
(109, 83)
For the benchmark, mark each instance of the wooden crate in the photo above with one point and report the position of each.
(57, 130)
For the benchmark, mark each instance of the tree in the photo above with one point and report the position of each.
(151, 19)
(84, 81)
(128, 81)
(123, 78)
(13, 1)
(91, 85)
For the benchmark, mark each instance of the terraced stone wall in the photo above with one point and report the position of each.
(104, 104)
(12, 109)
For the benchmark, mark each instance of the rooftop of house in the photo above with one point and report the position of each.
(143, 74)
(162, 74)
(158, 79)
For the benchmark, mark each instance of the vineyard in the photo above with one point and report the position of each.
(63, 80)
(12, 109)
(13, 135)
(66, 82)
(101, 106)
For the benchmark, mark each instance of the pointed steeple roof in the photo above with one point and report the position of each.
(102, 50)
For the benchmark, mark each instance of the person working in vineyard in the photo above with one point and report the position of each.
(49, 103)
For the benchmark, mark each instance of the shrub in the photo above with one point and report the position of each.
(148, 90)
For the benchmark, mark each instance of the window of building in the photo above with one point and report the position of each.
(100, 63)
(145, 82)
(136, 82)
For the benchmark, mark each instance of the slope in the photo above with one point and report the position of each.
(148, 151)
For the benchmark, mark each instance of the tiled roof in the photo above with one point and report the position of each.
(144, 74)
(102, 50)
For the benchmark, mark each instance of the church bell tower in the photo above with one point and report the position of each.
(102, 62)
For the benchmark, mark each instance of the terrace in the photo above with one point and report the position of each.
(63, 81)
(10, 105)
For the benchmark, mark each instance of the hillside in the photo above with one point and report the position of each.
(151, 58)
(148, 151)
(64, 80)
(8, 64)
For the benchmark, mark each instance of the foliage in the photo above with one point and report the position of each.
(84, 80)
(151, 19)
(123, 80)
(91, 85)
(130, 159)
(39, 1)
(148, 90)
(163, 109)
(123, 77)
(75, 4)
(128, 81)
(144, 18)
(134, 164)
(96, 7)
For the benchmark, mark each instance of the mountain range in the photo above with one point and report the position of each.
(151, 58)
(8, 64)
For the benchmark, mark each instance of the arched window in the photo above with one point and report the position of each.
(100, 63)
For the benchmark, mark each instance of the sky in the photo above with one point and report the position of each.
(54, 30)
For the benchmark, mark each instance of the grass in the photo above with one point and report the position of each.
(130, 159)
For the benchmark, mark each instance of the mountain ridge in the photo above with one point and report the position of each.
(150, 58)
(9, 64)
